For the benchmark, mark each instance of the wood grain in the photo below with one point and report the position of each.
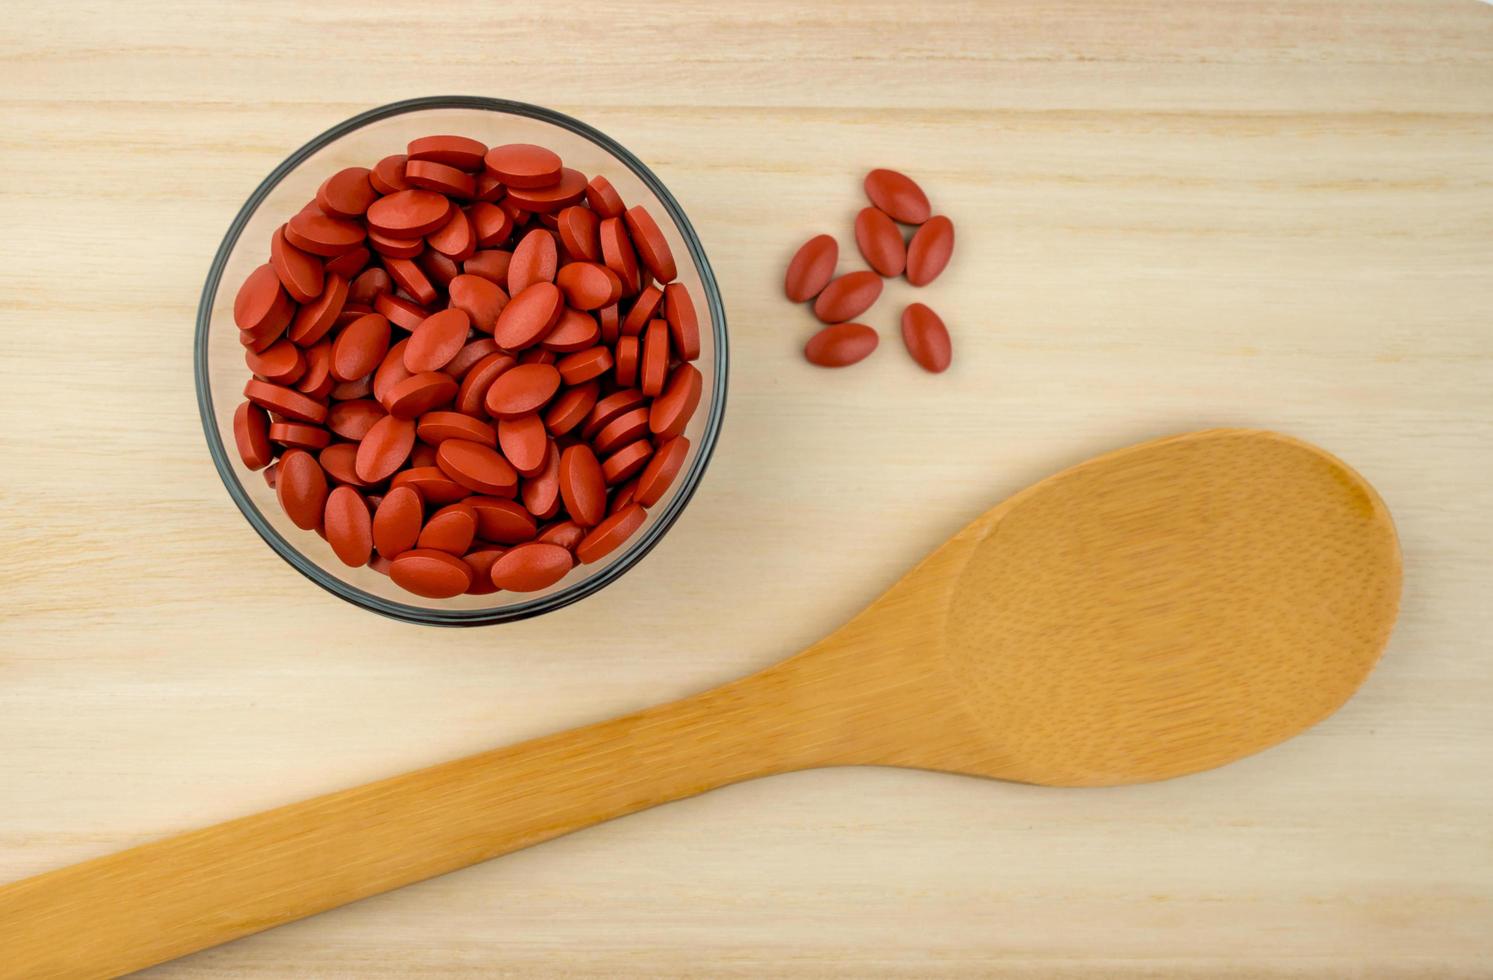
(1242, 215)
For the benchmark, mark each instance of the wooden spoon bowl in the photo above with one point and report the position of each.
(1153, 612)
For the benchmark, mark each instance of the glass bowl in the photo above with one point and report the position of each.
(362, 141)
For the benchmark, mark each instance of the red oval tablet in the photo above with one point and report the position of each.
(811, 268)
(572, 332)
(929, 251)
(684, 324)
(651, 244)
(410, 213)
(302, 488)
(626, 461)
(436, 427)
(384, 448)
(626, 357)
(353, 419)
(611, 407)
(316, 381)
(348, 526)
(644, 309)
(461, 152)
(450, 529)
(541, 493)
(491, 224)
(340, 461)
(840, 345)
(316, 318)
(432, 574)
(606, 536)
(531, 567)
(623, 429)
(587, 285)
(299, 272)
(322, 234)
(671, 410)
(571, 408)
(661, 470)
(401, 312)
(534, 260)
(437, 339)
(653, 369)
(299, 435)
(578, 227)
(848, 297)
(472, 395)
(347, 194)
(880, 242)
(569, 189)
(521, 390)
(419, 393)
(456, 239)
(286, 401)
(897, 195)
(618, 254)
(582, 486)
(477, 467)
(528, 316)
(583, 366)
(603, 198)
(412, 279)
(251, 435)
(360, 348)
(261, 304)
(432, 176)
(281, 362)
(927, 338)
(388, 174)
(524, 442)
(610, 320)
(502, 521)
(524, 165)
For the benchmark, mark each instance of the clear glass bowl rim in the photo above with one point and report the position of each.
(637, 548)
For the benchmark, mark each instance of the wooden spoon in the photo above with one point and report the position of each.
(1160, 610)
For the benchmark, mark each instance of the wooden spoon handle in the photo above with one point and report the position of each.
(165, 899)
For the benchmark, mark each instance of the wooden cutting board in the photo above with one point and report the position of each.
(1170, 217)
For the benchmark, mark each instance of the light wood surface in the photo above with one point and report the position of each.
(1155, 612)
(1170, 217)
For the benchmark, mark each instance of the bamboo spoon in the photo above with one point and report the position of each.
(1152, 612)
